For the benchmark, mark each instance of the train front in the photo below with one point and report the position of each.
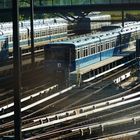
(59, 62)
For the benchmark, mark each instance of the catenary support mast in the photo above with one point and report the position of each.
(17, 71)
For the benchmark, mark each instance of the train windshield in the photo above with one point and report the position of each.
(58, 53)
(55, 54)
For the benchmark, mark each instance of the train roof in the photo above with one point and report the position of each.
(81, 41)
(10, 31)
(130, 29)
(90, 38)
(37, 22)
(99, 17)
(24, 29)
(55, 25)
(127, 24)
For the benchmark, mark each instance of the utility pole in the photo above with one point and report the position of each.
(32, 31)
(122, 18)
(17, 71)
(138, 56)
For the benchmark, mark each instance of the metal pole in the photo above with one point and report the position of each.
(32, 31)
(17, 71)
(122, 18)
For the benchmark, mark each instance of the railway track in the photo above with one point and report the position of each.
(101, 107)
(87, 108)
(62, 99)
(131, 134)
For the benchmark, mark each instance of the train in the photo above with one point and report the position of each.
(47, 30)
(3, 48)
(91, 23)
(26, 23)
(42, 33)
(64, 58)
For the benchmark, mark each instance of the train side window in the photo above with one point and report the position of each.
(89, 51)
(81, 52)
(107, 45)
(40, 34)
(37, 34)
(22, 36)
(92, 49)
(55, 31)
(113, 44)
(43, 33)
(26, 36)
(10, 38)
(104, 46)
(86, 51)
(78, 54)
(60, 30)
(47, 31)
(98, 48)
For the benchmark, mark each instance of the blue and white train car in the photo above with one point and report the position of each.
(83, 51)
(24, 36)
(75, 54)
(47, 33)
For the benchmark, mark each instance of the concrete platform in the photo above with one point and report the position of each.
(104, 62)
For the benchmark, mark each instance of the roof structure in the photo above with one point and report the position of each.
(42, 6)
